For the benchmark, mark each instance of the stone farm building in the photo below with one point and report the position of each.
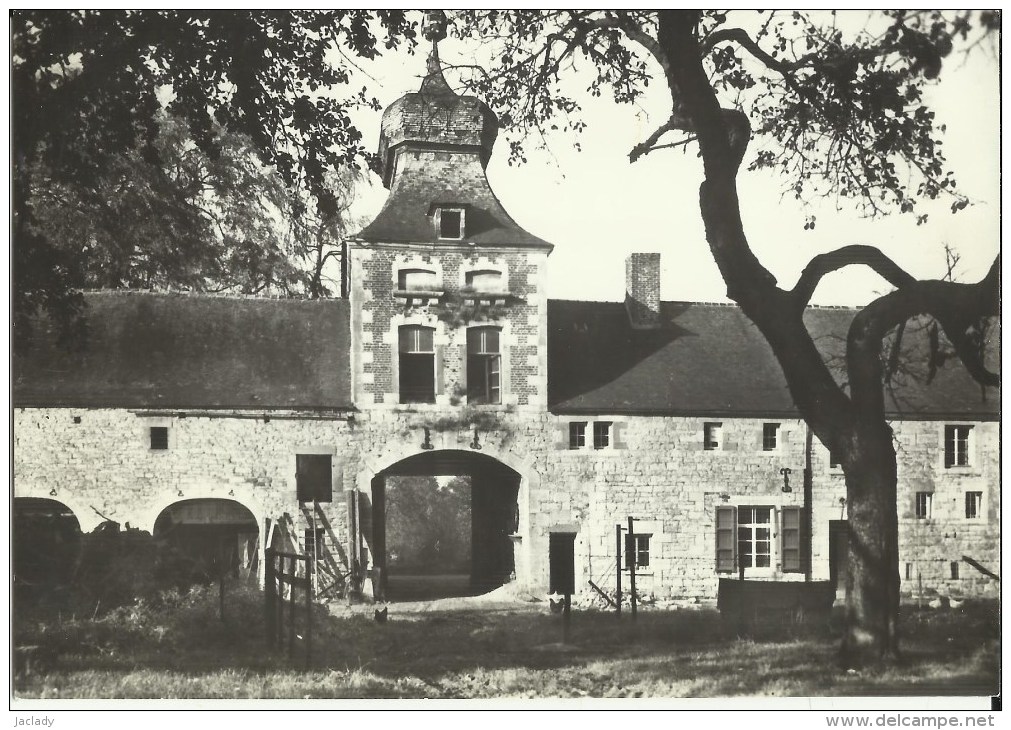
(259, 420)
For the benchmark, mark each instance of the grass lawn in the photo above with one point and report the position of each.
(177, 647)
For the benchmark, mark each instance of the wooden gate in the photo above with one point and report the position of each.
(281, 579)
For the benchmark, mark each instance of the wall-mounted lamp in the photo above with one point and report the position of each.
(352, 422)
(427, 443)
(842, 501)
(266, 418)
(786, 471)
(476, 443)
(231, 492)
(52, 492)
(179, 493)
(724, 497)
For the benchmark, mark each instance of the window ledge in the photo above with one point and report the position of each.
(419, 296)
(963, 471)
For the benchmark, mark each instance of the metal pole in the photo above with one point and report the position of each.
(269, 596)
(631, 565)
(308, 616)
(617, 552)
(315, 547)
(566, 617)
(221, 583)
(291, 607)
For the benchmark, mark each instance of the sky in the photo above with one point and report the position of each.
(596, 207)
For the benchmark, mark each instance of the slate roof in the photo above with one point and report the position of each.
(146, 350)
(457, 179)
(709, 359)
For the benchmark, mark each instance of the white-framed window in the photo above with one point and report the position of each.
(450, 223)
(770, 437)
(746, 538)
(601, 434)
(754, 537)
(974, 505)
(483, 280)
(957, 445)
(639, 544)
(712, 436)
(417, 280)
(484, 365)
(417, 364)
(924, 505)
(577, 435)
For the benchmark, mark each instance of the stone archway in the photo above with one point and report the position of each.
(211, 536)
(46, 542)
(488, 515)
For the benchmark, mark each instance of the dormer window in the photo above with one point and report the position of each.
(449, 223)
(417, 280)
(484, 280)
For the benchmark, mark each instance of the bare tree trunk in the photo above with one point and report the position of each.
(872, 579)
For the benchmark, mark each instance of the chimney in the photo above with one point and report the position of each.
(642, 290)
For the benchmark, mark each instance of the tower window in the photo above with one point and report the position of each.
(485, 280)
(449, 222)
(159, 438)
(484, 365)
(956, 445)
(770, 436)
(417, 280)
(639, 545)
(973, 505)
(924, 504)
(417, 364)
(713, 436)
(601, 434)
(577, 435)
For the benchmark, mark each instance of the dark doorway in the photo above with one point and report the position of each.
(838, 555)
(441, 525)
(212, 536)
(562, 562)
(47, 542)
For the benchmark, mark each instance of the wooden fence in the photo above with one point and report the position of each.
(281, 576)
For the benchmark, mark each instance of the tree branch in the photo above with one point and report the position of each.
(741, 37)
(957, 307)
(826, 263)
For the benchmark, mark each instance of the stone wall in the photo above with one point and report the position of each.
(655, 470)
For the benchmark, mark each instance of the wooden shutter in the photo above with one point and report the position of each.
(790, 539)
(314, 477)
(618, 435)
(464, 364)
(726, 539)
(562, 436)
(440, 369)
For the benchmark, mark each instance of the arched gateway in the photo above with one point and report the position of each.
(442, 523)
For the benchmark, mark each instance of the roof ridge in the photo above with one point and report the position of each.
(732, 305)
(207, 295)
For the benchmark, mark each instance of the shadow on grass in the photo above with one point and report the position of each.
(180, 648)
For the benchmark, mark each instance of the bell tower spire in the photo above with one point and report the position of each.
(433, 28)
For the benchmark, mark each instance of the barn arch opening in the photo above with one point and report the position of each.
(212, 536)
(46, 543)
(442, 523)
